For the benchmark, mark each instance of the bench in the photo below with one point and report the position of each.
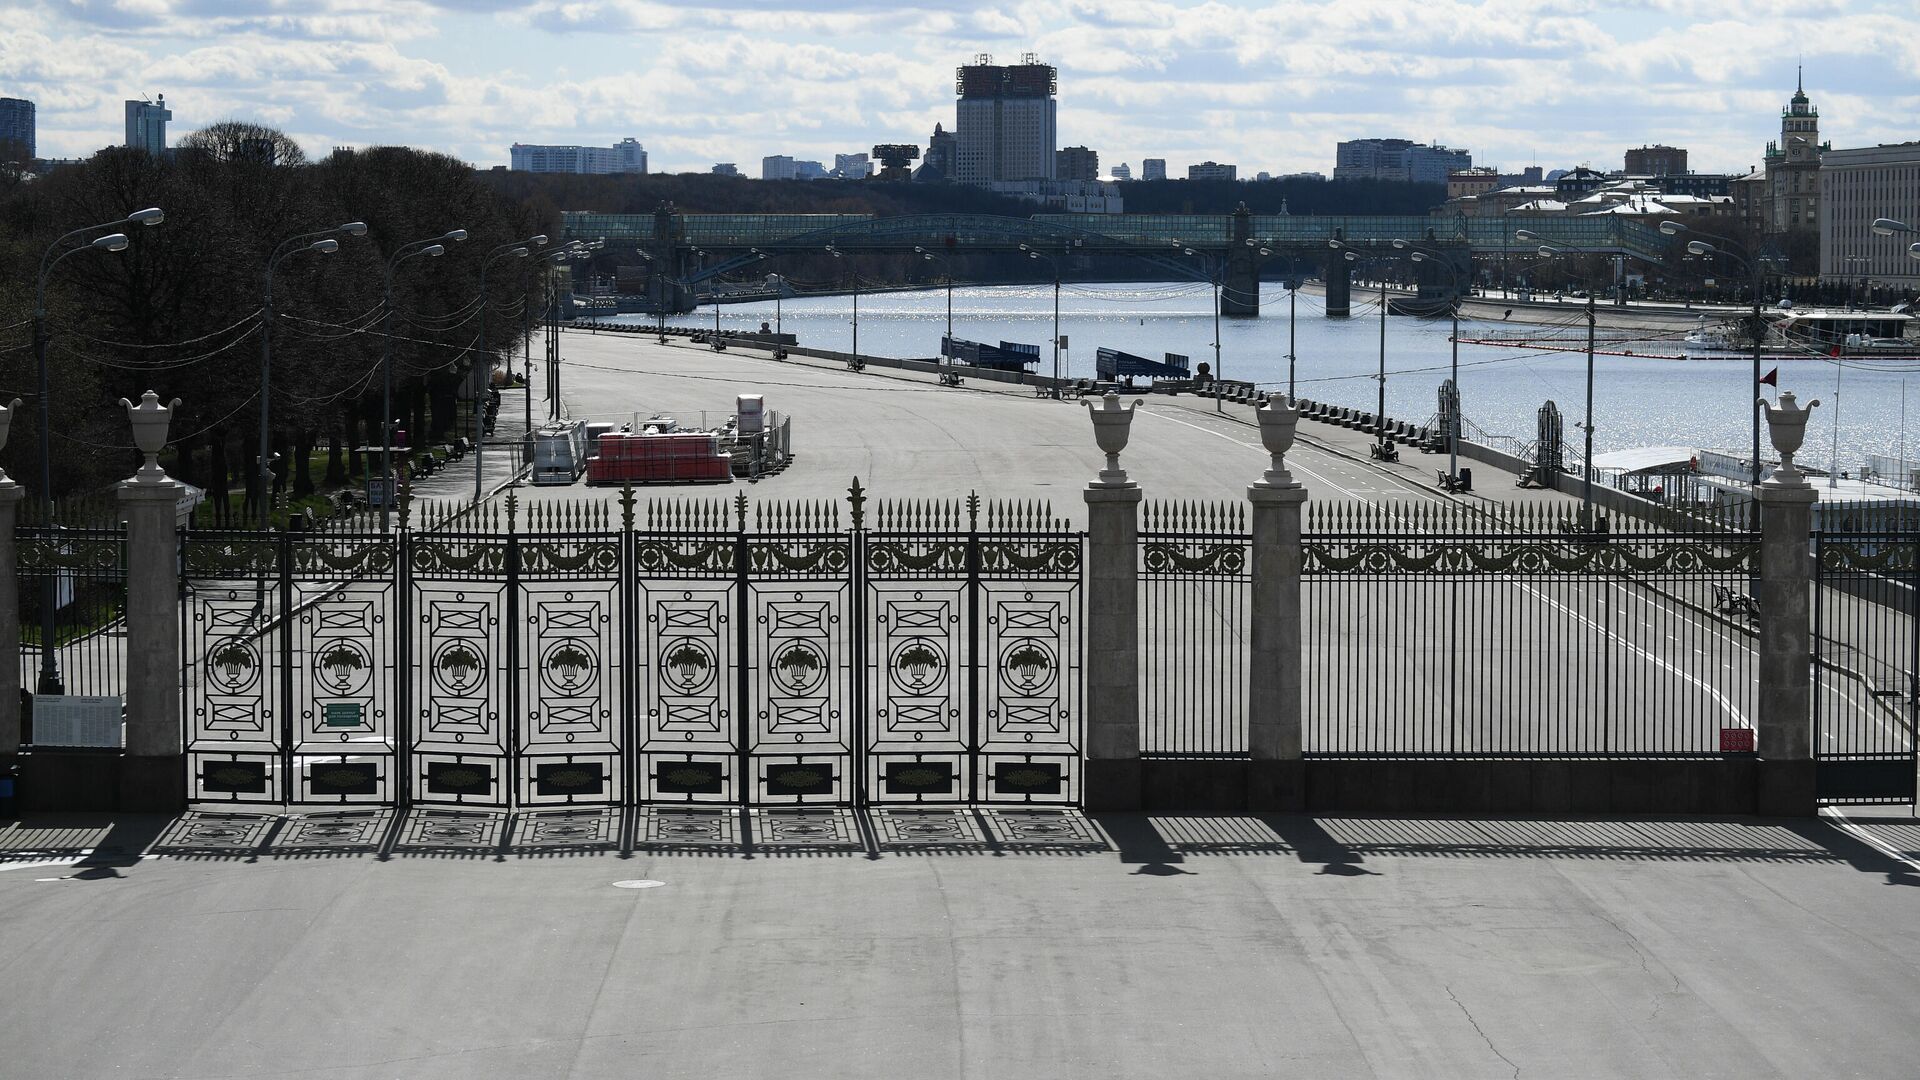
(1728, 602)
(949, 378)
(1384, 451)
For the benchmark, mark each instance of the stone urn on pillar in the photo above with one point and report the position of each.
(6, 427)
(1111, 424)
(1787, 426)
(1277, 426)
(150, 422)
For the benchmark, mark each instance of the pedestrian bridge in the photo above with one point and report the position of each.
(1234, 248)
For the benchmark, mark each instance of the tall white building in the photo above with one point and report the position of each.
(852, 166)
(1005, 121)
(1153, 168)
(147, 125)
(1857, 186)
(625, 156)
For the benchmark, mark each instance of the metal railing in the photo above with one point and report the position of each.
(1195, 584)
(1446, 631)
(1866, 654)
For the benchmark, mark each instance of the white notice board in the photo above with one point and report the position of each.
(75, 720)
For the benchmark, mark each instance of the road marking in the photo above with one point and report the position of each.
(1841, 822)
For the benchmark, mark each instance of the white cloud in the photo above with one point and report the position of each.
(1269, 85)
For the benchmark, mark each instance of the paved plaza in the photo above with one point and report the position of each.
(956, 944)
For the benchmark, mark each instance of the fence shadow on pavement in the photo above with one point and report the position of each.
(1155, 845)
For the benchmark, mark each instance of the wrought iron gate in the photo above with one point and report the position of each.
(1866, 654)
(568, 659)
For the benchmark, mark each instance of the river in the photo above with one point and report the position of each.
(1638, 400)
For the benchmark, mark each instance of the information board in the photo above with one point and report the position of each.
(74, 720)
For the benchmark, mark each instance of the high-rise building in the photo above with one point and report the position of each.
(852, 166)
(776, 167)
(1122, 172)
(625, 156)
(1153, 168)
(726, 168)
(147, 125)
(1005, 121)
(1076, 163)
(1398, 159)
(938, 164)
(1857, 186)
(1212, 170)
(1656, 161)
(16, 130)
(1793, 166)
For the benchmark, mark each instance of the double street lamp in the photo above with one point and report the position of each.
(1383, 449)
(946, 271)
(1548, 251)
(1758, 330)
(433, 248)
(1054, 262)
(321, 242)
(49, 667)
(1427, 256)
(483, 380)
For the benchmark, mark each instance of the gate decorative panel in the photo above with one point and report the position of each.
(459, 590)
(569, 660)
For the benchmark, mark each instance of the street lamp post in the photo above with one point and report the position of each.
(1053, 262)
(1758, 329)
(946, 271)
(49, 667)
(854, 275)
(1422, 255)
(1586, 470)
(483, 380)
(1383, 449)
(322, 243)
(434, 247)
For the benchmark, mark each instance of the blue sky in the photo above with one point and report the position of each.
(1270, 86)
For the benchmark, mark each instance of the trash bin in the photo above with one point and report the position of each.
(1466, 478)
(9, 791)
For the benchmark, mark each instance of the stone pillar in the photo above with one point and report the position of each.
(152, 773)
(1339, 275)
(1113, 779)
(1240, 283)
(1785, 705)
(10, 496)
(1276, 778)
(152, 778)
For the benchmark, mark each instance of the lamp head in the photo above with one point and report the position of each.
(1672, 228)
(1264, 251)
(112, 242)
(1887, 227)
(519, 253)
(456, 234)
(1399, 244)
(1547, 252)
(1418, 256)
(353, 228)
(1525, 236)
(538, 240)
(324, 247)
(1914, 250)
(152, 215)
(1336, 245)
(1186, 251)
(1699, 247)
(436, 250)
(1353, 256)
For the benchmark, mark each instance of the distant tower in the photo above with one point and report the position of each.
(16, 129)
(147, 125)
(1793, 165)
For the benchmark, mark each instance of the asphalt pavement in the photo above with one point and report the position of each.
(1119, 946)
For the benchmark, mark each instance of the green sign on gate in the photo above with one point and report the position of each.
(342, 714)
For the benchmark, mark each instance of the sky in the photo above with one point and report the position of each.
(1269, 86)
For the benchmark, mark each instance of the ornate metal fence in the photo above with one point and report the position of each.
(1448, 632)
(587, 654)
(1194, 586)
(73, 593)
(1867, 653)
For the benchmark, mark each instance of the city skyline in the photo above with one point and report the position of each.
(1268, 87)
